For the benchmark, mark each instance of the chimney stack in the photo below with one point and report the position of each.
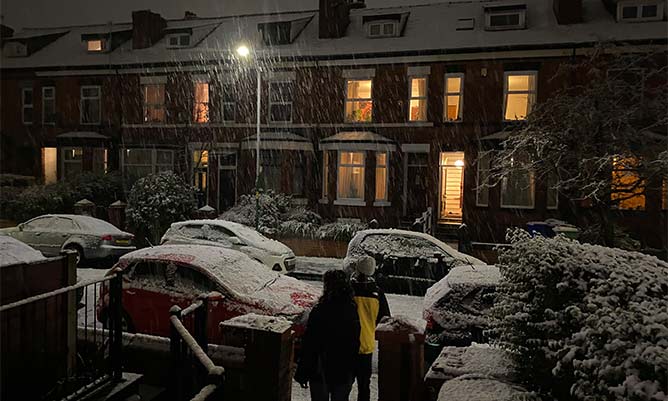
(147, 28)
(6, 31)
(334, 17)
(567, 11)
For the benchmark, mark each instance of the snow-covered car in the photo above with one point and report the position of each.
(457, 307)
(408, 262)
(13, 251)
(227, 234)
(89, 237)
(155, 279)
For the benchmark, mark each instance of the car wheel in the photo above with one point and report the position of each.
(79, 252)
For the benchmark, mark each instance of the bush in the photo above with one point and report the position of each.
(339, 231)
(586, 322)
(158, 200)
(273, 206)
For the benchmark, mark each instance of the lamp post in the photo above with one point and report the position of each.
(244, 52)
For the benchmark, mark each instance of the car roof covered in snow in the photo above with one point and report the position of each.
(13, 251)
(89, 224)
(462, 278)
(429, 29)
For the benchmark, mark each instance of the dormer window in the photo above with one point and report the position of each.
(383, 29)
(634, 11)
(179, 40)
(16, 49)
(384, 25)
(96, 45)
(505, 17)
(277, 33)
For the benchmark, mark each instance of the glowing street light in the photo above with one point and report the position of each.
(243, 51)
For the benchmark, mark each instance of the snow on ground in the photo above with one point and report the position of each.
(86, 314)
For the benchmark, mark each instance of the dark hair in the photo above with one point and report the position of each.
(336, 286)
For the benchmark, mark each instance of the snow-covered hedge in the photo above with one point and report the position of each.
(158, 200)
(587, 322)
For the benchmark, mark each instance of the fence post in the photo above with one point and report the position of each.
(201, 315)
(116, 319)
(176, 354)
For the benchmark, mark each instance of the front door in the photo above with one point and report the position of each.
(416, 186)
(451, 186)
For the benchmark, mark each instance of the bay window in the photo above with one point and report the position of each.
(519, 95)
(140, 162)
(359, 104)
(628, 188)
(417, 109)
(72, 162)
(325, 175)
(270, 162)
(454, 92)
(517, 188)
(350, 177)
(381, 176)
(482, 188)
(552, 192)
(27, 106)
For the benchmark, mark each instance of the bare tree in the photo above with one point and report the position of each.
(602, 138)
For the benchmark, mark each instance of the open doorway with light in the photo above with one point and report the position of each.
(451, 184)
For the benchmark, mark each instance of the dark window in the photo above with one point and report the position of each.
(630, 12)
(270, 174)
(277, 33)
(228, 109)
(504, 20)
(281, 96)
(649, 11)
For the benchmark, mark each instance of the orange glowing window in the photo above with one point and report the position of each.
(95, 45)
(201, 104)
(418, 100)
(628, 188)
(359, 104)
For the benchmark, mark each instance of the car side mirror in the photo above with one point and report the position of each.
(20, 227)
(236, 241)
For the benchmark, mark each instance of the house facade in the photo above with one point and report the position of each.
(366, 113)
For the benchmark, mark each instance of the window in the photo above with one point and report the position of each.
(517, 188)
(359, 105)
(99, 160)
(383, 29)
(270, 174)
(381, 176)
(179, 40)
(96, 45)
(519, 95)
(629, 11)
(454, 93)
(49, 165)
(299, 177)
(201, 104)
(228, 107)
(325, 174)
(350, 181)
(275, 33)
(200, 168)
(552, 191)
(154, 103)
(418, 99)
(628, 188)
(72, 162)
(505, 17)
(28, 106)
(48, 105)
(90, 106)
(482, 180)
(141, 162)
(281, 95)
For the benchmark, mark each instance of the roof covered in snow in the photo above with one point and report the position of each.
(429, 29)
(13, 251)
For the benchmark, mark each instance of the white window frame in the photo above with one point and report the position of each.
(425, 97)
(358, 99)
(44, 99)
(223, 103)
(291, 103)
(325, 177)
(178, 37)
(381, 25)
(460, 112)
(153, 106)
(531, 99)
(350, 201)
(491, 13)
(639, 5)
(82, 99)
(479, 186)
(25, 105)
(386, 200)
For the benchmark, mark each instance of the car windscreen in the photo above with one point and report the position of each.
(398, 246)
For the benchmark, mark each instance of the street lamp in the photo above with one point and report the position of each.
(244, 52)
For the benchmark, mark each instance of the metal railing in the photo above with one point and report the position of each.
(190, 354)
(40, 337)
(424, 223)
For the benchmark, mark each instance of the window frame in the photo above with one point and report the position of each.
(533, 95)
(178, 37)
(639, 188)
(381, 24)
(532, 179)
(282, 102)
(344, 200)
(25, 106)
(224, 103)
(195, 102)
(103, 45)
(325, 177)
(460, 110)
(640, 5)
(82, 99)
(153, 163)
(488, 154)
(353, 100)
(64, 161)
(521, 23)
(550, 177)
(425, 97)
(44, 99)
(152, 106)
(386, 200)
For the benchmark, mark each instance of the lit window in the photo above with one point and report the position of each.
(552, 191)
(350, 180)
(201, 104)
(141, 162)
(639, 12)
(454, 93)
(519, 95)
(90, 105)
(49, 165)
(482, 189)
(325, 171)
(381, 176)
(154, 103)
(72, 162)
(418, 100)
(281, 95)
(359, 105)
(228, 107)
(517, 188)
(628, 188)
(27, 105)
(95, 45)
(200, 168)
(48, 105)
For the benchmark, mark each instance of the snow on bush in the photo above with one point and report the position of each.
(158, 200)
(587, 322)
(272, 206)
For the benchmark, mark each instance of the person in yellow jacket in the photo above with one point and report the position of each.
(371, 307)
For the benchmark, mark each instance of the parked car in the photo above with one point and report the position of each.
(235, 236)
(17, 252)
(89, 237)
(457, 307)
(155, 279)
(408, 262)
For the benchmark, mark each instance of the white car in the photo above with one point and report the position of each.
(235, 236)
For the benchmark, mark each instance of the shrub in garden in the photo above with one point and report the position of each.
(586, 322)
(158, 200)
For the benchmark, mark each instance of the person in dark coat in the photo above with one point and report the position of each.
(331, 342)
(371, 307)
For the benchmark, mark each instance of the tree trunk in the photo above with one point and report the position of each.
(607, 225)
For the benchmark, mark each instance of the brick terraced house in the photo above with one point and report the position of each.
(366, 112)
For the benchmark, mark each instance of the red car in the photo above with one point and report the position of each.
(156, 278)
